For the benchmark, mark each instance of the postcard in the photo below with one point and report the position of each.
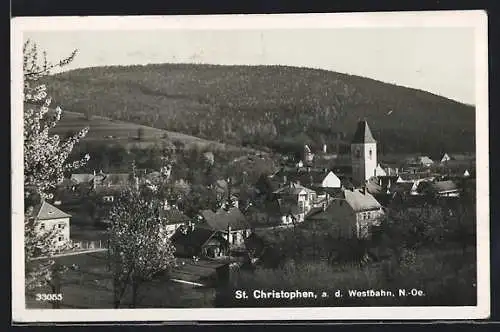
(305, 167)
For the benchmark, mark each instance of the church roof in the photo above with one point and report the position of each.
(363, 134)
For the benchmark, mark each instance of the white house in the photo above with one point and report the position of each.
(295, 201)
(51, 218)
(445, 158)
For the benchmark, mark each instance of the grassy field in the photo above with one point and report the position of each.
(91, 287)
(106, 130)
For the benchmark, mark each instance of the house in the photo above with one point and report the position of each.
(352, 215)
(265, 215)
(445, 158)
(379, 171)
(419, 161)
(51, 218)
(172, 218)
(82, 178)
(295, 201)
(192, 241)
(309, 177)
(402, 190)
(231, 223)
(415, 177)
(445, 188)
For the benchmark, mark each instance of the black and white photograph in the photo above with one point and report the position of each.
(250, 167)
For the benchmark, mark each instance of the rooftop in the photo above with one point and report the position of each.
(46, 211)
(363, 134)
(223, 219)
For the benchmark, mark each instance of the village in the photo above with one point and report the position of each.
(348, 194)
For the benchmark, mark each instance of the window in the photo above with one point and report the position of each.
(60, 238)
(42, 226)
(358, 153)
(60, 226)
(370, 154)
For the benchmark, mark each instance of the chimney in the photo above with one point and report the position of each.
(324, 148)
(94, 172)
(284, 179)
(380, 181)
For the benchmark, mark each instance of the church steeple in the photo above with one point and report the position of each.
(363, 134)
(363, 154)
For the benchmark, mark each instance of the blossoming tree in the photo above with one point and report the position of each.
(138, 246)
(45, 162)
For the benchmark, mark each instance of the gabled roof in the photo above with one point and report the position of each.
(222, 219)
(293, 189)
(82, 177)
(196, 237)
(443, 186)
(116, 179)
(363, 134)
(359, 201)
(174, 216)
(46, 211)
(401, 187)
(415, 176)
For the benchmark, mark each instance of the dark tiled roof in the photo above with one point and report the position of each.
(46, 211)
(174, 216)
(292, 189)
(222, 219)
(360, 201)
(116, 179)
(363, 134)
(195, 238)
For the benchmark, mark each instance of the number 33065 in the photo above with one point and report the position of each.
(49, 297)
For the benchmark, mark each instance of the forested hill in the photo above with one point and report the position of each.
(268, 105)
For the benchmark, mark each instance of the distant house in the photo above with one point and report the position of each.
(295, 201)
(445, 158)
(231, 223)
(172, 218)
(383, 183)
(82, 178)
(445, 189)
(209, 157)
(192, 241)
(51, 218)
(379, 171)
(403, 189)
(419, 161)
(311, 178)
(352, 215)
(266, 215)
(415, 177)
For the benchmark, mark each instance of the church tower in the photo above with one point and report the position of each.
(363, 154)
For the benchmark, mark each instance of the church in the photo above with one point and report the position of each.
(360, 165)
(364, 155)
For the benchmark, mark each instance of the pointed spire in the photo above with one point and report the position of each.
(363, 134)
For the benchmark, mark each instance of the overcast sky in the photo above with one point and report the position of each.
(438, 59)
